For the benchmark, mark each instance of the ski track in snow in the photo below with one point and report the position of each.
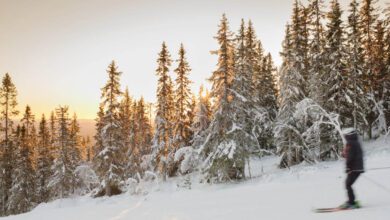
(273, 194)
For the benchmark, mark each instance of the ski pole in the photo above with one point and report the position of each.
(379, 168)
(377, 184)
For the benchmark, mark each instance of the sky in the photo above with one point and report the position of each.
(57, 51)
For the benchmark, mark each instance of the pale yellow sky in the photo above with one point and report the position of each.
(57, 51)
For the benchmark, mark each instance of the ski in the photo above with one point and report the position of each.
(334, 209)
(324, 210)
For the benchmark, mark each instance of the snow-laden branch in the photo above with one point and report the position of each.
(308, 107)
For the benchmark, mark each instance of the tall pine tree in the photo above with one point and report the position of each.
(219, 164)
(109, 159)
(162, 140)
(183, 101)
(44, 161)
(22, 193)
(8, 104)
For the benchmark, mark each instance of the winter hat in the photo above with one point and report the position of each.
(349, 131)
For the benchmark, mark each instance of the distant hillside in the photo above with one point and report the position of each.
(87, 127)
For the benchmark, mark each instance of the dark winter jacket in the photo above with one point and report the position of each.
(353, 154)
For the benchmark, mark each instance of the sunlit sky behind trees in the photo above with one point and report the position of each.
(57, 51)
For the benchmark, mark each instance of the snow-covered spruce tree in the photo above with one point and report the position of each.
(288, 131)
(53, 133)
(355, 68)
(316, 50)
(109, 158)
(22, 192)
(202, 119)
(28, 121)
(266, 108)
(182, 100)
(254, 54)
(368, 17)
(221, 161)
(144, 128)
(240, 137)
(44, 162)
(301, 35)
(62, 179)
(162, 140)
(133, 153)
(191, 116)
(260, 123)
(182, 96)
(125, 118)
(379, 79)
(379, 66)
(75, 150)
(89, 149)
(140, 137)
(189, 156)
(333, 89)
(8, 104)
(271, 92)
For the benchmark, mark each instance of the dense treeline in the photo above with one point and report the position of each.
(335, 74)
(38, 163)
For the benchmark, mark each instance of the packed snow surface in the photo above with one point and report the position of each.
(271, 194)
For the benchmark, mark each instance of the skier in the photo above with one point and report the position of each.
(353, 155)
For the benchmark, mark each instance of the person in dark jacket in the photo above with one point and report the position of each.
(353, 154)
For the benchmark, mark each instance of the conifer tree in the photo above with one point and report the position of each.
(109, 159)
(333, 89)
(145, 129)
(125, 114)
(293, 73)
(53, 133)
(133, 153)
(270, 93)
(379, 77)
(368, 17)
(44, 161)
(142, 136)
(28, 121)
(264, 107)
(240, 139)
(22, 192)
(191, 117)
(255, 57)
(316, 48)
(74, 145)
(355, 67)
(125, 118)
(162, 140)
(202, 118)
(183, 101)
(90, 152)
(288, 131)
(62, 179)
(216, 149)
(302, 47)
(8, 104)
(267, 104)
(258, 65)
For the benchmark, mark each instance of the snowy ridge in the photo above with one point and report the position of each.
(272, 194)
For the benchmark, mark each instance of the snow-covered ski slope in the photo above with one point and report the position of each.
(274, 194)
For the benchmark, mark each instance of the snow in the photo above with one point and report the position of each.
(271, 194)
